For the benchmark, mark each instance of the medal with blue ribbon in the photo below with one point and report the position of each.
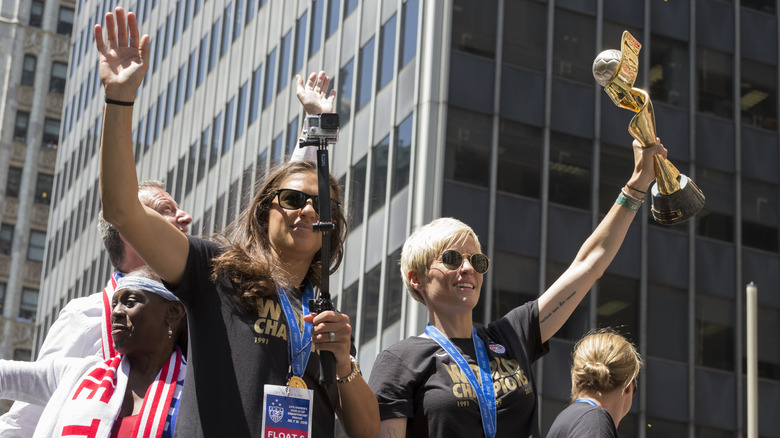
(298, 346)
(486, 395)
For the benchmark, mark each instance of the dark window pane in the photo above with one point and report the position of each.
(238, 21)
(65, 21)
(29, 304)
(570, 162)
(386, 53)
(190, 168)
(474, 26)
(36, 246)
(519, 158)
(284, 62)
(715, 78)
(28, 70)
(240, 117)
(767, 6)
(203, 155)
(525, 34)
(667, 316)
(43, 188)
(370, 311)
(345, 91)
(365, 74)
(36, 14)
(227, 20)
(333, 16)
(357, 193)
(409, 31)
(467, 153)
(315, 37)
(254, 104)
(715, 332)
(573, 46)
(716, 219)
(21, 125)
(378, 175)
(350, 6)
(669, 71)
(616, 165)
(300, 42)
(13, 182)
(618, 305)
(59, 75)
(227, 140)
(402, 154)
(6, 242)
(215, 140)
(270, 70)
(277, 149)
(759, 215)
(516, 279)
(292, 135)
(202, 59)
(758, 93)
(213, 54)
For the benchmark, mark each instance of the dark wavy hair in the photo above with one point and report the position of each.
(248, 261)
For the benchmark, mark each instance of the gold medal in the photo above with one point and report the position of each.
(297, 382)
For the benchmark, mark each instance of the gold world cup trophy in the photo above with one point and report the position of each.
(675, 197)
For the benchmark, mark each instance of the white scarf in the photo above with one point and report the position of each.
(94, 404)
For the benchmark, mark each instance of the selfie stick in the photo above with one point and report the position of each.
(325, 226)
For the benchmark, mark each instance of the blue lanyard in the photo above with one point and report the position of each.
(298, 341)
(486, 395)
(585, 400)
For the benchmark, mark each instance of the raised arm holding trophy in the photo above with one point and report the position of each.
(675, 197)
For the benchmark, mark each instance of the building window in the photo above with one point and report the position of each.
(37, 246)
(333, 17)
(409, 31)
(51, 133)
(386, 53)
(758, 93)
(59, 74)
(6, 240)
(346, 91)
(379, 160)
(284, 62)
(467, 152)
(365, 74)
(20, 127)
(759, 215)
(254, 102)
(36, 13)
(315, 37)
(14, 180)
(519, 158)
(715, 332)
(28, 70)
(43, 188)
(29, 305)
(241, 114)
(300, 42)
(22, 354)
(270, 70)
(669, 71)
(474, 27)
(403, 155)
(715, 71)
(716, 219)
(357, 191)
(570, 163)
(65, 21)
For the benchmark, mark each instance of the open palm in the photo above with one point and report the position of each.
(123, 60)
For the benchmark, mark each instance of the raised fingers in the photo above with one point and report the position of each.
(110, 31)
(132, 25)
(99, 43)
(121, 27)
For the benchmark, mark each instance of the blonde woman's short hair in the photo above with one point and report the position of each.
(427, 243)
(602, 361)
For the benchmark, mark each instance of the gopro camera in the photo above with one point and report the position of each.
(322, 127)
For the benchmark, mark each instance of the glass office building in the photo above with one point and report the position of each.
(486, 111)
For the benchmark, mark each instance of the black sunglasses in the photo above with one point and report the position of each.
(291, 199)
(453, 260)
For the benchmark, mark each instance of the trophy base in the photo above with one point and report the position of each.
(679, 206)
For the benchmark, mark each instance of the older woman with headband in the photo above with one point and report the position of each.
(135, 393)
(459, 380)
(254, 343)
(603, 382)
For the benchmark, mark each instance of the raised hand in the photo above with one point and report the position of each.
(314, 94)
(123, 60)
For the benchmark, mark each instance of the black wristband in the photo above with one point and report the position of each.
(119, 102)
(636, 190)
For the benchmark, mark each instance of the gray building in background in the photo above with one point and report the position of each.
(486, 111)
(34, 44)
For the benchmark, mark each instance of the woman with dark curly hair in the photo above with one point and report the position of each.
(251, 333)
(603, 382)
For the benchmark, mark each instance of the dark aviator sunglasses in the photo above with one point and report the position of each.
(291, 199)
(453, 260)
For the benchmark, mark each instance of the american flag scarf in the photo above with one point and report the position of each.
(94, 404)
(107, 342)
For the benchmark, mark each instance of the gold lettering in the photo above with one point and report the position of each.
(270, 327)
(282, 332)
(259, 326)
(521, 378)
(267, 307)
(455, 373)
(510, 383)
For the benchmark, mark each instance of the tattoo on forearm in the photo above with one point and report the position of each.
(558, 306)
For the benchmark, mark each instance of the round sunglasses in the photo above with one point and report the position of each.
(292, 199)
(453, 260)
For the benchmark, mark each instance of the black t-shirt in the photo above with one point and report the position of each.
(233, 353)
(418, 380)
(583, 420)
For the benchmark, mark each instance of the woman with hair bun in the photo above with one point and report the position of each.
(603, 382)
